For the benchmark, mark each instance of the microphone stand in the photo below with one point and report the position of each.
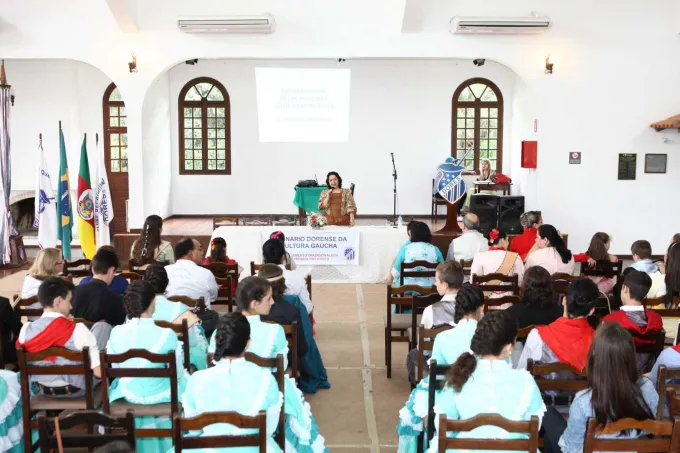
(394, 176)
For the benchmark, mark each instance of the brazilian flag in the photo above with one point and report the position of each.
(64, 212)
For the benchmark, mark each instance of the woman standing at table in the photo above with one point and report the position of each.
(338, 203)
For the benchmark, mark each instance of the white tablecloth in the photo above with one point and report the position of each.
(378, 245)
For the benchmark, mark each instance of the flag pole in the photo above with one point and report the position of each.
(96, 139)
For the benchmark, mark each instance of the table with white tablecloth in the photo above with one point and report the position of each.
(378, 245)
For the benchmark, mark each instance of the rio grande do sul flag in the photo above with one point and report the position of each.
(85, 205)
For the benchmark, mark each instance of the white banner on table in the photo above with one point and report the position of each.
(312, 248)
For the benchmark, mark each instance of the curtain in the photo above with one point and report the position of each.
(7, 225)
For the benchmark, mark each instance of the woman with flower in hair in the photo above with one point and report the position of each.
(287, 259)
(497, 260)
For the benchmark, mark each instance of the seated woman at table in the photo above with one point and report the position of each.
(149, 246)
(338, 203)
(497, 260)
(420, 249)
(486, 174)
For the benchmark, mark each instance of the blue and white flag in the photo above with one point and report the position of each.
(103, 210)
(45, 216)
(449, 180)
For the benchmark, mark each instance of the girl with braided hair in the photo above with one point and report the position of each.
(149, 246)
(482, 381)
(448, 346)
(141, 332)
(243, 386)
(254, 299)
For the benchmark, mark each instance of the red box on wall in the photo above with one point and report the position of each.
(529, 154)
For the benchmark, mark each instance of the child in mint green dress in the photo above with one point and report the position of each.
(140, 332)
(11, 427)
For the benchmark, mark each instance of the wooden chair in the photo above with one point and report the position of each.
(182, 332)
(291, 335)
(604, 269)
(225, 221)
(78, 268)
(437, 201)
(21, 306)
(120, 407)
(262, 220)
(255, 268)
(436, 372)
(39, 402)
(407, 272)
(502, 283)
(197, 304)
(525, 331)
(467, 267)
(530, 427)
(124, 430)
(666, 436)
(673, 401)
(223, 270)
(181, 425)
(665, 374)
(130, 276)
(275, 364)
(134, 266)
(569, 385)
(561, 282)
(652, 343)
(426, 339)
(420, 303)
(494, 303)
(225, 295)
(399, 322)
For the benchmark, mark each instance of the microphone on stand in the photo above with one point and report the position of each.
(394, 176)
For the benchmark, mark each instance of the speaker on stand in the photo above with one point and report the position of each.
(486, 208)
(510, 210)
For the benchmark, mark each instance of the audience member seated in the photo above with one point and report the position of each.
(671, 273)
(243, 386)
(140, 332)
(186, 277)
(498, 260)
(176, 312)
(468, 244)
(616, 390)
(670, 358)
(218, 254)
(551, 253)
(483, 382)
(274, 253)
(254, 299)
(48, 263)
(419, 249)
(149, 246)
(633, 316)
(402, 249)
(525, 243)
(11, 426)
(568, 339)
(288, 260)
(448, 280)
(10, 326)
(55, 328)
(642, 261)
(282, 312)
(94, 301)
(118, 285)
(599, 251)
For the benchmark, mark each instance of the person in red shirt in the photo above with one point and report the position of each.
(218, 254)
(525, 242)
(633, 316)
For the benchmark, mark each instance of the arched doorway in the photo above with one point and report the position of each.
(116, 155)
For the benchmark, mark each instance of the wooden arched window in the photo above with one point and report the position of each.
(204, 128)
(116, 154)
(477, 123)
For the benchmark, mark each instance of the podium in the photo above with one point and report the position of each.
(451, 230)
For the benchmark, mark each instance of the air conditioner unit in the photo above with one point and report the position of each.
(499, 25)
(235, 24)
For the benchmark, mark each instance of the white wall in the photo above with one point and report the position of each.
(399, 106)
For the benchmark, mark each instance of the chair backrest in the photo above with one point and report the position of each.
(257, 220)
(182, 331)
(131, 275)
(396, 296)
(561, 282)
(225, 221)
(291, 331)
(225, 294)
(498, 301)
(525, 331)
(21, 306)
(571, 385)
(603, 268)
(664, 312)
(134, 266)
(78, 268)
(497, 282)
(223, 270)
(666, 436)
(649, 343)
(420, 303)
(426, 339)
(199, 303)
(530, 427)
(665, 374)
(109, 372)
(182, 425)
(467, 267)
(276, 364)
(408, 272)
(116, 429)
(436, 371)
(673, 401)
(284, 220)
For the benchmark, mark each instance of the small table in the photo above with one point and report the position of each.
(479, 186)
(307, 200)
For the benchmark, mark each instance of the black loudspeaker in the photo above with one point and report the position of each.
(486, 208)
(511, 208)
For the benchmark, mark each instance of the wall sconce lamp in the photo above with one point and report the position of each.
(133, 64)
(549, 63)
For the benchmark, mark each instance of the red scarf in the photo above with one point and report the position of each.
(495, 247)
(569, 339)
(654, 323)
(57, 333)
(522, 244)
